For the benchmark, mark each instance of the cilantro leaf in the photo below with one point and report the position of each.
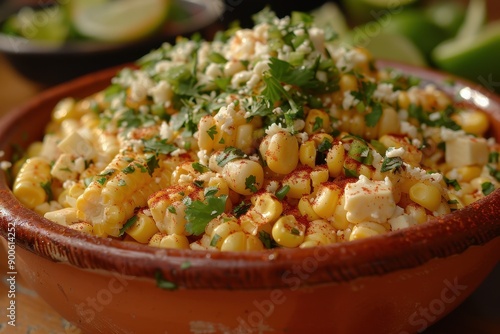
(487, 188)
(267, 240)
(199, 214)
(47, 187)
(250, 183)
(212, 132)
(452, 182)
(391, 164)
(158, 146)
(372, 118)
(241, 208)
(229, 154)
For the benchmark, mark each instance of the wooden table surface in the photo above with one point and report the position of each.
(479, 314)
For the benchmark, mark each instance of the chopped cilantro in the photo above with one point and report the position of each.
(494, 172)
(281, 193)
(217, 58)
(122, 183)
(250, 183)
(350, 172)
(392, 164)
(128, 170)
(324, 146)
(172, 209)
(318, 124)
(128, 224)
(267, 240)
(295, 231)
(229, 154)
(241, 208)
(373, 117)
(199, 167)
(162, 283)
(47, 187)
(199, 214)
(152, 163)
(487, 188)
(493, 157)
(212, 132)
(158, 146)
(452, 182)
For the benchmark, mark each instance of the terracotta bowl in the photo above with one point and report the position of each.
(401, 282)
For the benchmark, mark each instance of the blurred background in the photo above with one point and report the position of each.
(45, 42)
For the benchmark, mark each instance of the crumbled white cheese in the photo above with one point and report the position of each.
(349, 101)
(369, 201)
(272, 187)
(4, 165)
(393, 152)
(275, 128)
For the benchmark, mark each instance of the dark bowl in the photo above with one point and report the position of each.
(52, 64)
(383, 284)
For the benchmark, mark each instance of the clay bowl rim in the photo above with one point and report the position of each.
(475, 225)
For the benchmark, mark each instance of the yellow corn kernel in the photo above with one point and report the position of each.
(365, 230)
(253, 243)
(326, 200)
(406, 184)
(417, 212)
(287, 232)
(266, 209)
(467, 173)
(175, 241)
(443, 209)
(143, 228)
(348, 82)
(156, 239)
(474, 121)
(426, 195)
(305, 209)
(335, 160)
(365, 170)
(206, 133)
(317, 121)
(65, 109)
(310, 243)
(319, 175)
(243, 176)
(477, 183)
(455, 202)
(244, 138)
(221, 232)
(282, 154)
(307, 154)
(389, 122)
(403, 100)
(82, 227)
(321, 230)
(34, 149)
(218, 182)
(235, 242)
(65, 217)
(340, 221)
(299, 182)
(357, 125)
(32, 181)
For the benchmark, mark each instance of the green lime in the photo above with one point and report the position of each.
(362, 11)
(330, 14)
(473, 58)
(449, 15)
(46, 24)
(117, 21)
(417, 27)
(389, 46)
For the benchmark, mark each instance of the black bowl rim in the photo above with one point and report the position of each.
(476, 225)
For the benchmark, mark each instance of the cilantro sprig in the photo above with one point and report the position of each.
(200, 213)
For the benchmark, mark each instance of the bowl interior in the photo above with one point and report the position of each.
(448, 235)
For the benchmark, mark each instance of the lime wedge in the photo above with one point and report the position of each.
(472, 58)
(395, 47)
(361, 11)
(117, 21)
(474, 19)
(330, 14)
(48, 24)
(449, 15)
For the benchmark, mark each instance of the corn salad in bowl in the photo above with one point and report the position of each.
(278, 136)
